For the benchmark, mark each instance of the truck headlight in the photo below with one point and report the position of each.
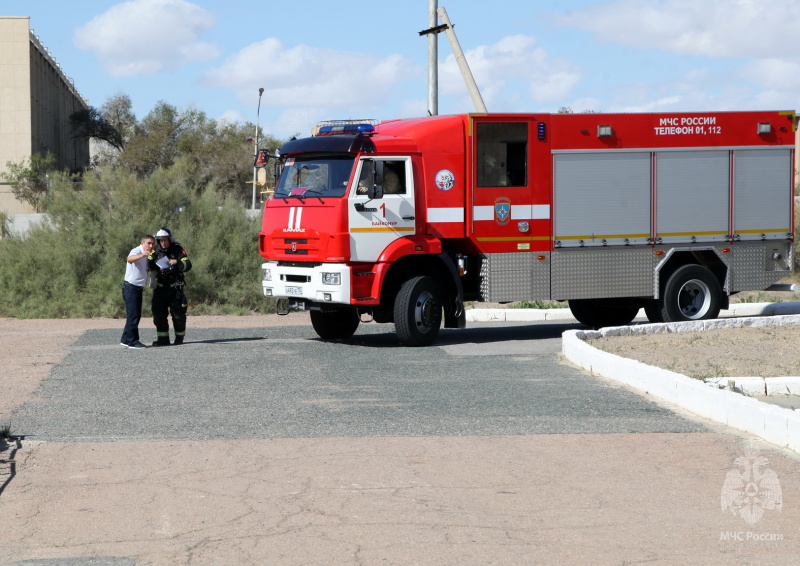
(331, 278)
(267, 275)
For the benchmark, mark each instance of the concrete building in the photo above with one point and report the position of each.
(36, 101)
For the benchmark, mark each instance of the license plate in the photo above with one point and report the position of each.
(294, 290)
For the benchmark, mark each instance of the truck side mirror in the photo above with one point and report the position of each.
(262, 158)
(376, 190)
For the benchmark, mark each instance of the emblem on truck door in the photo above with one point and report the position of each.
(502, 210)
(445, 179)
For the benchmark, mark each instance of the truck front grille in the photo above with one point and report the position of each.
(295, 246)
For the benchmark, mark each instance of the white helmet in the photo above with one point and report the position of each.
(164, 233)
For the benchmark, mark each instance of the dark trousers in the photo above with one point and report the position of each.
(169, 301)
(132, 295)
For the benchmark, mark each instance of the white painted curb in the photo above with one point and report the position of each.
(774, 424)
(522, 315)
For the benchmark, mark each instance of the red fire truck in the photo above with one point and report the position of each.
(403, 221)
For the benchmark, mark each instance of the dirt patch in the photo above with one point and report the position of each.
(727, 352)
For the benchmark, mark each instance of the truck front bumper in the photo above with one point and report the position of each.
(317, 283)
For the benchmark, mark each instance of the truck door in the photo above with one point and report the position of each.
(376, 223)
(511, 187)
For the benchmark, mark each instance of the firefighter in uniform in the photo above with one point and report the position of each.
(168, 262)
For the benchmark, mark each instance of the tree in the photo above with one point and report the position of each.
(5, 232)
(118, 111)
(29, 179)
(213, 152)
(222, 155)
(569, 110)
(154, 142)
(91, 123)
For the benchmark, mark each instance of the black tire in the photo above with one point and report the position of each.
(691, 293)
(418, 311)
(653, 310)
(576, 307)
(335, 325)
(599, 313)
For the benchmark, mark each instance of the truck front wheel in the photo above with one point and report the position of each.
(691, 293)
(418, 311)
(335, 325)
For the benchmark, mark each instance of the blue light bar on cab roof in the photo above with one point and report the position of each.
(346, 129)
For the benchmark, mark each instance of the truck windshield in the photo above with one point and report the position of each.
(315, 177)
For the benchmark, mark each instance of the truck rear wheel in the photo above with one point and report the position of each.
(576, 307)
(418, 311)
(691, 293)
(335, 325)
(599, 313)
(653, 310)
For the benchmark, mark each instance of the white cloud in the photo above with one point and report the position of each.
(413, 108)
(511, 74)
(588, 104)
(309, 77)
(777, 74)
(754, 43)
(697, 90)
(713, 28)
(297, 121)
(143, 37)
(232, 117)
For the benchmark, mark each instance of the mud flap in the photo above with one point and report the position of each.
(454, 314)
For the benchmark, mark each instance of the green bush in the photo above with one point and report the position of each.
(74, 266)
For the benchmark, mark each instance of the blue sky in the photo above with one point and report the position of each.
(319, 60)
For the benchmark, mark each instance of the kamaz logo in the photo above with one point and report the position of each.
(295, 214)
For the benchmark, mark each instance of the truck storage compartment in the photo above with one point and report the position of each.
(762, 194)
(602, 198)
(692, 196)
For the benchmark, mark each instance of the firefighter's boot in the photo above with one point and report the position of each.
(162, 340)
(178, 340)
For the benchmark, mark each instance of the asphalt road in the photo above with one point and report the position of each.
(490, 379)
(277, 448)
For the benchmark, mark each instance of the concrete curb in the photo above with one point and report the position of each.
(774, 424)
(523, 315)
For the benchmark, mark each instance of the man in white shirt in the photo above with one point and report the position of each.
(135, 279)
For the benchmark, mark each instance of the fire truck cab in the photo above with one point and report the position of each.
(405, 220)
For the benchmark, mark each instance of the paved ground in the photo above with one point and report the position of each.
(362, 462)
(284, 383)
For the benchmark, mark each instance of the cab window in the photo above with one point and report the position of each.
(393, 174)
(315, 176)
(394, 177)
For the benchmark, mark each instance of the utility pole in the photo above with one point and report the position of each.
(433, 66)
(433, 32)
(255, 147)
(433, 61)
(472, 86)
